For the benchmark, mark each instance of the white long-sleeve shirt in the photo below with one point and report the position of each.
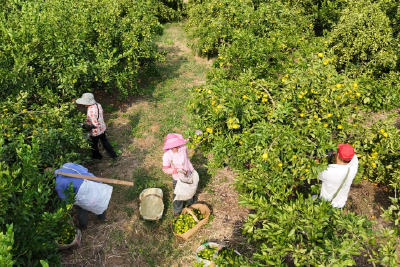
(333, 177)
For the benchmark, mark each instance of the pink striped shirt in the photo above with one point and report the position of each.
(173, 161)
(92, 114)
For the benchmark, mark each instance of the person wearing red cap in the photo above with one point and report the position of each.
(337, 179)
(185, 178)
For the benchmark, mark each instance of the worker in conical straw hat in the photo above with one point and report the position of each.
(95, 123)
(185, 178)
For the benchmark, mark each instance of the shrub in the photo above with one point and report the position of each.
(277, 99)
(364, 38)
(51, 52)
(70, 46)
(28, 202)
(6, 243)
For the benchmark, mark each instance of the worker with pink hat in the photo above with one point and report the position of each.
(177, 163)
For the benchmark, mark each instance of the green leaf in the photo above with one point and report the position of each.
(349, 262)
(292, 232)
(44, 263)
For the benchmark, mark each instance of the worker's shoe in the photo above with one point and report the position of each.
(102, 217)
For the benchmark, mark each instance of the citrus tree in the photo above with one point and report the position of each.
(277, 99)
(363, 37)
(50, 53)
(74, 46)
(34, 137)
(6, 243)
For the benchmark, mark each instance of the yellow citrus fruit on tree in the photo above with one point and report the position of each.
(265, 156)
(338, 85)
(245, 96)
(340, 126)
(358, 94)
(301, 115)
(385, 134)
(320, 55)
(329, 115)
(325, 125)
(280, 165)
(355, 85)
(382, 130)
(294, 156)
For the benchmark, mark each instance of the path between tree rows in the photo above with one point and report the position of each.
(137, 127)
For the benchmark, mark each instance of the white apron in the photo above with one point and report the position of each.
(185, 191)
(93, 196)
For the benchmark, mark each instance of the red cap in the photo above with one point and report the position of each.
(346, 152)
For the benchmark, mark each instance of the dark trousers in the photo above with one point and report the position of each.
(83, 217)
(178, 204)
(106, 145)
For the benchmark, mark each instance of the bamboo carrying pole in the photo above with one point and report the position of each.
(98, 179)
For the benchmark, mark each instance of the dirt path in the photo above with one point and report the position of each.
(137, 128)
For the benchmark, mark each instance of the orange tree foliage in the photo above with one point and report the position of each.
(279, 96)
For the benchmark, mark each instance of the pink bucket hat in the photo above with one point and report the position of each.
(173, 140)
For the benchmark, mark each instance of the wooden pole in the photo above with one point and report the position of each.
(98, 179)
